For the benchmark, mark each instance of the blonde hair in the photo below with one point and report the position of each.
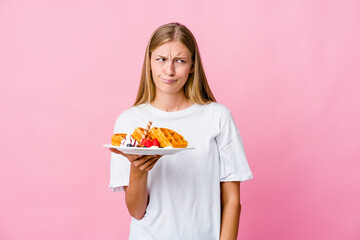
(196, 88)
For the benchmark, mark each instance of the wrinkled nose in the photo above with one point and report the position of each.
(169, 68)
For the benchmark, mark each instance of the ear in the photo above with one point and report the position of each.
(192, 69)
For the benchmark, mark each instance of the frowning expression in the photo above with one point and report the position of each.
(171, 65)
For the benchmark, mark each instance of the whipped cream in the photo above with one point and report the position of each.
(129, 140)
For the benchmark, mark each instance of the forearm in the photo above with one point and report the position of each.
(230, 210)
(230, 220)
(136, 196)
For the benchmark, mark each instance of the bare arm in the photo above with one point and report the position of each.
(230, 206)
(136, 194)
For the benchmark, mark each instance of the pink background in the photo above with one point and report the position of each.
(288, 70)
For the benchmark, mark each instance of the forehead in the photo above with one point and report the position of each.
(173, 48)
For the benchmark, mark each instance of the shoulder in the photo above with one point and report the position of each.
(132, 112)
(128, 117)
(222, 115)
(216, 114)
(217, 108)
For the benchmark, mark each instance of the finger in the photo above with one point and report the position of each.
(130, 157)
(139, 163)
(142, 159)
(151, 165)
(148, 165)
(114, 150)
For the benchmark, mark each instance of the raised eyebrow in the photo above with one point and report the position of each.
(178, 57)
(181, 55)
(161, 56)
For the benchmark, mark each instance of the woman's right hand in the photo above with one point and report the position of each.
(143, 163)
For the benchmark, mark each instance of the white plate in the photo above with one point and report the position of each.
(147, 151)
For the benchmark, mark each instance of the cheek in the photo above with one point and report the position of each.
(185, 73)
(156, 70)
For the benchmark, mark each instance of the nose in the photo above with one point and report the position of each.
(169, 68)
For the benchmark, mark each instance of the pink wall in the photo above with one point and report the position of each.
(288, 70)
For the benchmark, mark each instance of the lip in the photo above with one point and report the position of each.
(169, 80)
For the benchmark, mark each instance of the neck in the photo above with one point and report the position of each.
(171, 102)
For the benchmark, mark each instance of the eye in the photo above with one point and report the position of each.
(161, 59)
(181, 61)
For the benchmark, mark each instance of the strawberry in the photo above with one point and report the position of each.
(156, 142)
(148, 143)
(143, 141)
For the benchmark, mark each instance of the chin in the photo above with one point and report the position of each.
(170, 90)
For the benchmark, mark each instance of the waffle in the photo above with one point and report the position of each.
(117, 138)
(138, 133)
(168, 137)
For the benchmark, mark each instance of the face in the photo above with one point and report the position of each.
(171, 65)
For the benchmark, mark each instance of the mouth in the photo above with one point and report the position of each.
(168, 80)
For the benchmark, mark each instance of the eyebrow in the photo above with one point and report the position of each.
(179, 57)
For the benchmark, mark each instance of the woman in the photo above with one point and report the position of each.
(193, 194)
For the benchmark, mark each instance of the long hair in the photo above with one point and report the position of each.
(196, 87)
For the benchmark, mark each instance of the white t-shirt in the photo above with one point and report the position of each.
(184, 188)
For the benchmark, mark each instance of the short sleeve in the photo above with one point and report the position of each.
(233, 163)
(119, 172)
(119, 165)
